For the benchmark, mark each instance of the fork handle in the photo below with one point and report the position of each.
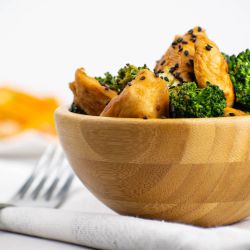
(3, 205)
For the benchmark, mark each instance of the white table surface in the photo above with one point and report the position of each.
(11, 241)
(12, 174)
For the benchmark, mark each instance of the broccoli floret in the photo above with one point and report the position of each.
(239, 70)
(190, 101)
(108, 80)
(75, 109)
(127, 74)
(124, 76)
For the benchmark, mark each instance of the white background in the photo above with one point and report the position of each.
(43, 42)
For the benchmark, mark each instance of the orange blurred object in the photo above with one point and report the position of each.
(20, 111)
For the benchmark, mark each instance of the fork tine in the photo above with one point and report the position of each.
(39, 166)
(51, 176)
(50, 191)
(55, 163)
(61, 196)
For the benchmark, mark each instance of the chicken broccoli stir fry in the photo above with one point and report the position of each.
(145, 97)
(193, 79)
(90, 97)
(124, 76)
(190, 101)
(177, 62)
(239, 70)
(211, 66)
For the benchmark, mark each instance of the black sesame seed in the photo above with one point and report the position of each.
(193, 39)
(166, 79)
(163, 62)
(180, 49)
(191, 62)
(171, 87)
(208, 47)
(194, 36)
(145, 117)
(190, 31)
(156, 73)
(232, 114)
(186, 53)
(174, 43)
(177, 74)
(191, 75)
(184, 42)
(199, 29)
(176, 66)
(179, 40)
(143, 78)
(171, 70)
(180, 79)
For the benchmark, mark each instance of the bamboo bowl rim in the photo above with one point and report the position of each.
(64, 111)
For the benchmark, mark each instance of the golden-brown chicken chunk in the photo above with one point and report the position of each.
(145, 97)
(89, 94)
(210, 66)
(233, 112)
(177, 62)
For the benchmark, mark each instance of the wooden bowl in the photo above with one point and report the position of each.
(195, 171)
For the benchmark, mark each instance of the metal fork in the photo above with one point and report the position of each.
(49, 182)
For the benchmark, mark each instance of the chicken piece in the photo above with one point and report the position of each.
(145, 97)
(177, 62)
(210, 66)
(234, 112)
(89, 95)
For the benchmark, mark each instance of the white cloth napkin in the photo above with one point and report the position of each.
(85, 221)
(109, 231)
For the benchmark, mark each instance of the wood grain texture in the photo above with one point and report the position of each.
(194, 171)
